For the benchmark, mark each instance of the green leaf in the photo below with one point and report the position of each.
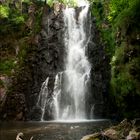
(4, 11)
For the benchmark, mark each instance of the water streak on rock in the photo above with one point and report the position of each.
(42, 99)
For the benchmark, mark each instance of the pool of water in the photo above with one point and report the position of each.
(51, 130)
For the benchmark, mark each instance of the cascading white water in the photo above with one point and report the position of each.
(68, 99)
(42, 99)
(57, 95)
(77, 67)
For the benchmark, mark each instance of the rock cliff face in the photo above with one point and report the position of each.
(100, 74)
(48, 60)
(45, 59)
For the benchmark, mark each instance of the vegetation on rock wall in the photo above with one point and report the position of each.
(20, 22)
(118, 22)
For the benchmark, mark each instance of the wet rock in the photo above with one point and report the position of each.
(2, 93)
(100, 74)
(92, 137)
(47, 60)
(111, 134)
(57, 8)
(117, 132)
(14, 108)
(98, 110)
(19, 116)
(133, 135)
(31, 20)
(36, 113)
(136, 122)
(78, 10)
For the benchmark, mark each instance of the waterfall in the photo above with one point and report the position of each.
(57, 95)
(77, 68)
(70, 86)
(42, 99)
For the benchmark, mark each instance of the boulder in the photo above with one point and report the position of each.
(111, 134)
(133, 135)
(19, 116)
(94, 136)
(123, 131)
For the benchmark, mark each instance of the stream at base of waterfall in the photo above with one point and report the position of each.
(51, 130)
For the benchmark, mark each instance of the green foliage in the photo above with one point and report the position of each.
(12, 30)
(12, 20)
(15, 33)
(100, 11)
(50, 2)
(6, 66)
(118, 56)
(37, 24)
(118, 22)
(125, 77)
(108, 39)
(116, 7)
(18, 20)
(27, 1)
(4, 11)
(16, 17)
(23, 50)
(71, 3)
(1, 84)
(124, 13)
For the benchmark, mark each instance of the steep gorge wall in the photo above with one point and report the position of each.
(118, 23)
(100, 74)
(45, 59)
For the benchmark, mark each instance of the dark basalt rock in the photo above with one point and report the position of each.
(99, 76)
(49, 58)
(14, 108)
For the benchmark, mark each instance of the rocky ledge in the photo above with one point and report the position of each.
(126, 130)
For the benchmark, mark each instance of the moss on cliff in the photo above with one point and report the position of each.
(118, 22)
(19, 26)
